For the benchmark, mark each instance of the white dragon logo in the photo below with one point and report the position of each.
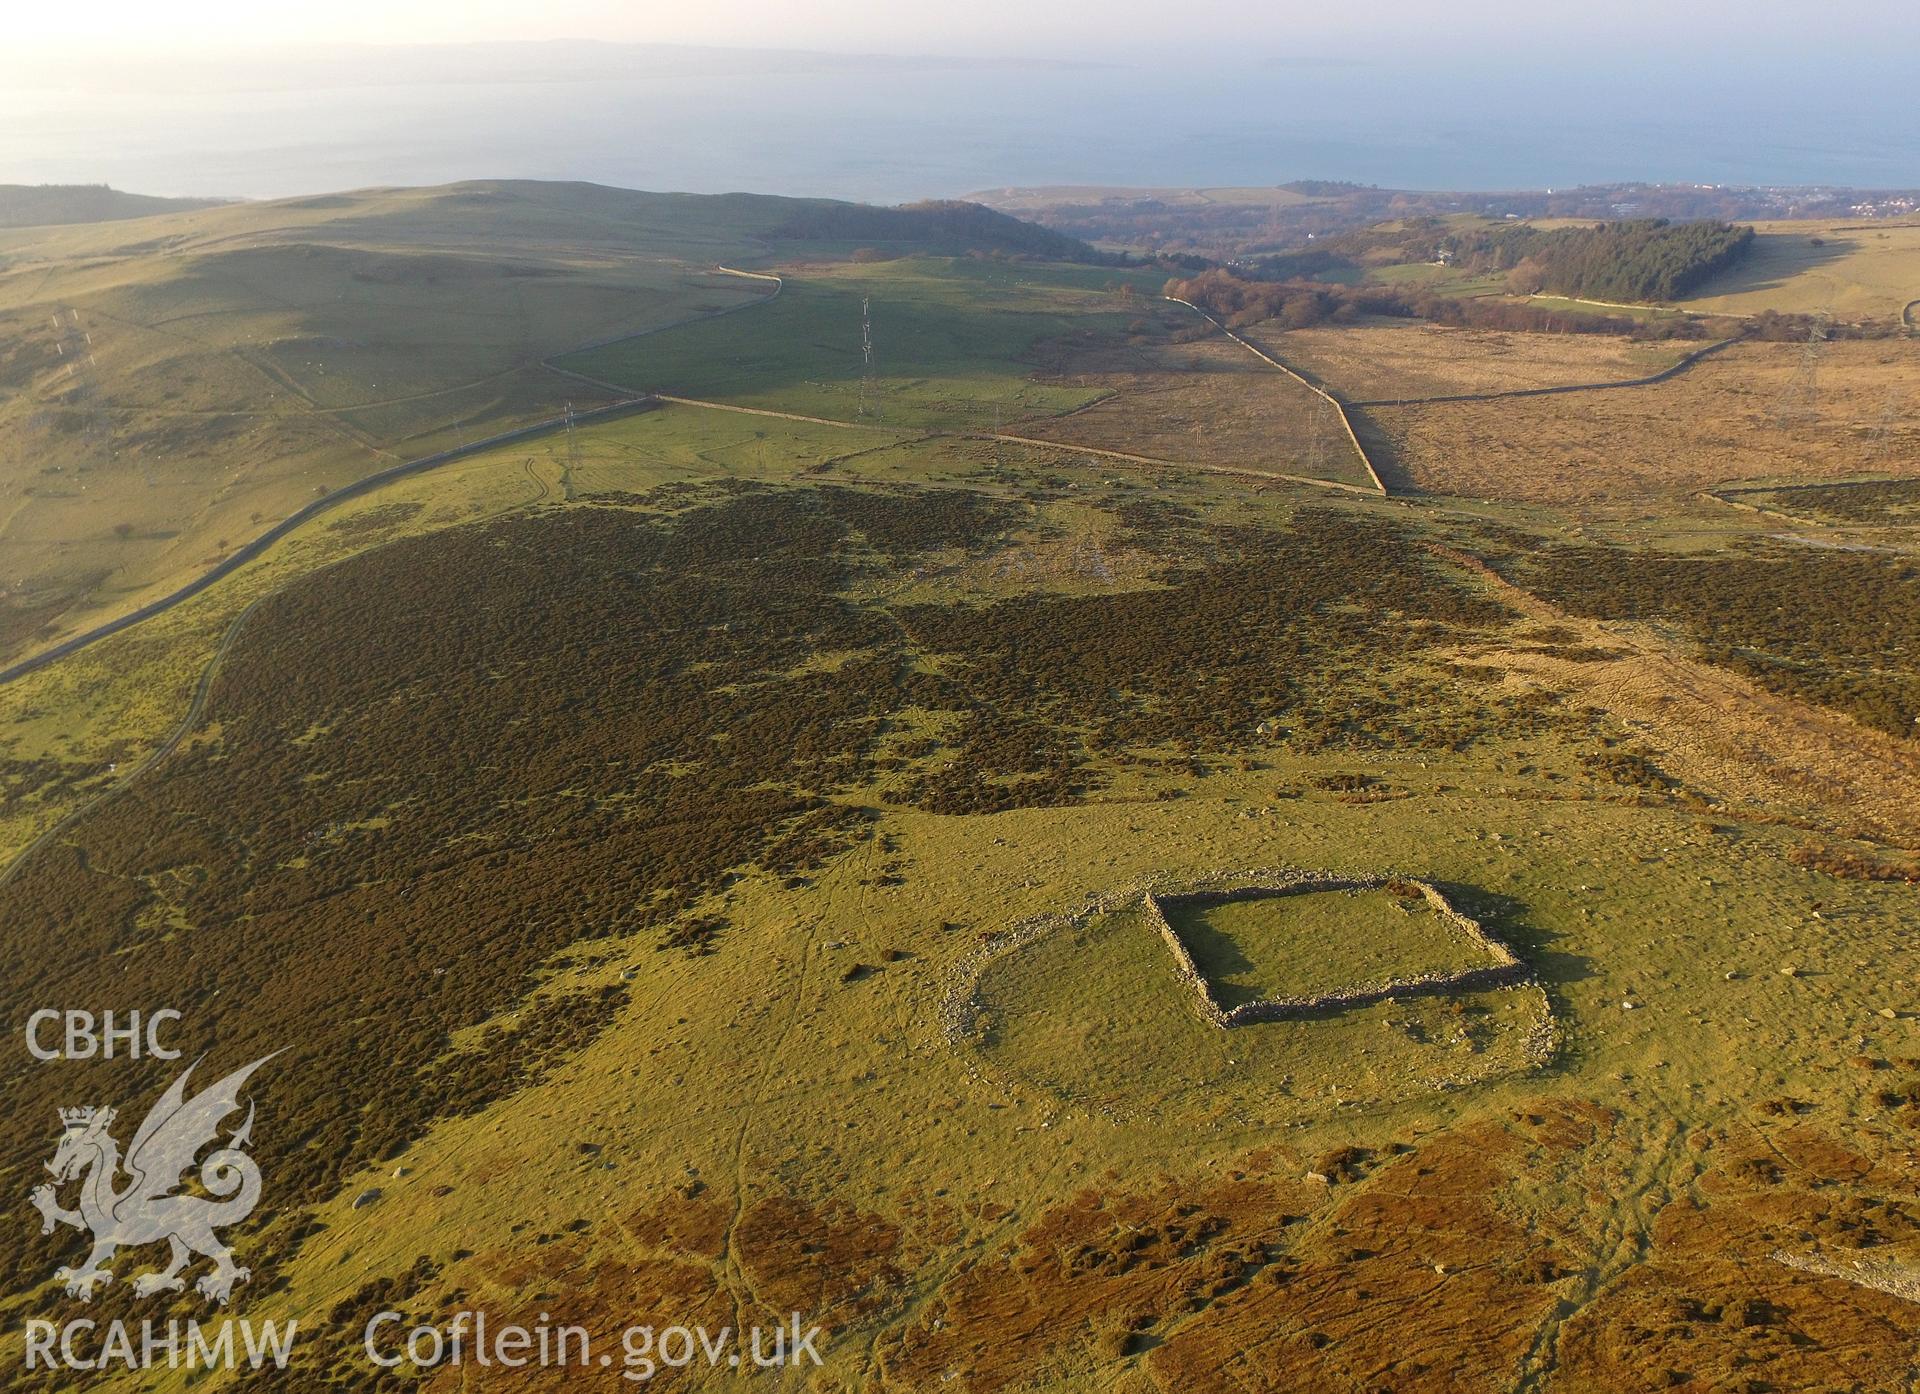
(147, 1209)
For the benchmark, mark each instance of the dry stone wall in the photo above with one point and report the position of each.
(1183, 963)
(1502, 969)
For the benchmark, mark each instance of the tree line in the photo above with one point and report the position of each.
(1646, 259)
(1301, 304)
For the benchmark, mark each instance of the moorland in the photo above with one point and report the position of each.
(696, 859)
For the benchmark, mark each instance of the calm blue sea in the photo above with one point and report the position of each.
(892, 129)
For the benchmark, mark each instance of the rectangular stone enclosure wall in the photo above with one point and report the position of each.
(1502, 968)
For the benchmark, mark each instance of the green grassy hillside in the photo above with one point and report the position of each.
(942, 224)
(37, 205)
(953, 340)
(170, 385)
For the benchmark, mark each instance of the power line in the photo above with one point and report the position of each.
(1798, 400)
(1318, 443)
(1880, 443)
(866, 355)
(573, 446)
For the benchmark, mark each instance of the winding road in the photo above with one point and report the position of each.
(1672, 370)
(360, 487)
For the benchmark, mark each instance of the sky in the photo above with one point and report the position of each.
(1550, 30)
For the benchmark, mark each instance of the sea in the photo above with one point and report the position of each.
(891, 128)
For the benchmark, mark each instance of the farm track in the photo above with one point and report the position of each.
(1721, 496)
(906, 434)
(1652, 379)
(543, 492)
(1662, 1170)
(1124, 458)
(1680, 309)
(1726, 495)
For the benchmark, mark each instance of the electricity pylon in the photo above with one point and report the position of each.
(1797, 401)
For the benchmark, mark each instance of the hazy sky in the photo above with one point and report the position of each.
(1547, 28)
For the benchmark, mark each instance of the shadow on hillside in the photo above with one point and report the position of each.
(1379, 448)
(1506, 919)
(1218, 956)
(1777, 258)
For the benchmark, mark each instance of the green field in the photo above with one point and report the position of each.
(1431, 276)
(951, 343)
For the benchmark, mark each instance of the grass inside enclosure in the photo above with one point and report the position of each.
(1303, 943)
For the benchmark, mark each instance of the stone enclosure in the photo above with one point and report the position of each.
(1501, 967)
